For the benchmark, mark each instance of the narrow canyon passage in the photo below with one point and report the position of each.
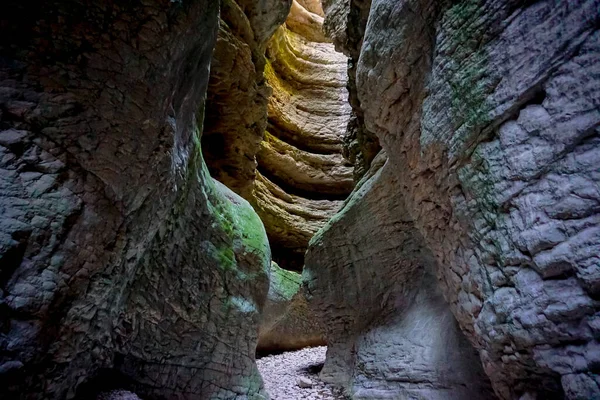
(300, 178)
(299, 199)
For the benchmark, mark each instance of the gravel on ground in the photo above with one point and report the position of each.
(295, 375)
(292, 375)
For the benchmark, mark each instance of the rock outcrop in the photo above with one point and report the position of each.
(275, 124)
(302, 174)
(118, 253)
(236, 111)
(287, 322)
(345, 24)
(481, 232)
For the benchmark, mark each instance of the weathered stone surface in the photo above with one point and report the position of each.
(236, 112)
(303, 176)
(117, 250)
(390, 333)
(345, 23)
(306, 23)
(287, 322)
(488, 111)
(282, 153)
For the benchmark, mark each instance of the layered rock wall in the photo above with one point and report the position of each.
(275, 124)
(118, 253)
(302, 174)
(236, 112)
(488, 111)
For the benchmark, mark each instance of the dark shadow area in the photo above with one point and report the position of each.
(313, 369)
(105, 380)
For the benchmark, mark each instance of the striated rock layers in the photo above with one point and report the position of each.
(236, 105)
(481, 233)
(274, 125)
(118, 253)
(302, 175)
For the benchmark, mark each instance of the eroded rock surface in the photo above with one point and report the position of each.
(287, 321)
(236, 112)
(488, 111)
(345, 24)
(117, 250)
(303, 175)
(275, 125)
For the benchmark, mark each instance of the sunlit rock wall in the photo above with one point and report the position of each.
(302, 174)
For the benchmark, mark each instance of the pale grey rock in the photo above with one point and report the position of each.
(304, 383)
(488, 112)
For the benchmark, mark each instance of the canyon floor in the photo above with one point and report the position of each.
(285, 373)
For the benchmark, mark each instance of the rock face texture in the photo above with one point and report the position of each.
(345, 24)
(118, 253)
(275, 125)
(302, 174)
(481, 232)
(236, 112)
(287, 322)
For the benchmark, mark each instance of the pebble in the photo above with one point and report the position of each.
(118, 395)
(295, 375)
(304, 383)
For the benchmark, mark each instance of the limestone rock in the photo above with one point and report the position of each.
(304, 382)
(390, 333)
(303, 176)
(345, 23)
(287, 322)
(117, 250)
(275, 125)
(488, 113)
(236, 112)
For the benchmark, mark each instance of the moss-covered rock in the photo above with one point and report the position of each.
(287, 322)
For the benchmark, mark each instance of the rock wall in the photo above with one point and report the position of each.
(118, 253)
(345, 24)
(236, 112)
(488, 111)
(302, 174)
(275, 124)
(287, 321)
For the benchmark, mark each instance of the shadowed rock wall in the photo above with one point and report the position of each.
(236, 112)
(345, 24)
(287, 321)
(302, 174)
(488, 111)
(117, 250)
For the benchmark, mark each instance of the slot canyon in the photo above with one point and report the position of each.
(300, 199)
